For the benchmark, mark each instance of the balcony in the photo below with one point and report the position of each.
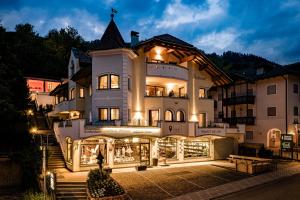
(248, 99)
(167, 70)
(182, 96)
(240, 120)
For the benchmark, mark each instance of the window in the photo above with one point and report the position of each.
(271, 89)
(250, 113)
(81, 92)
(295, 111)
(233, 113)
(114, 82)
(153, 117)
(180, 116)
(201, 93)
(271, 111)
(129, 115)
(129, 83)
(295, 88)
(202, 120)
(167, 148)
(249, 135)
(103, 82)
(114, 114)
(168, 116)
(90, 90)
(69, 149)
(72, 93)
(103, 112)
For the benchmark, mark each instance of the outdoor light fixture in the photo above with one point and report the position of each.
(33, 130)
(194, 118)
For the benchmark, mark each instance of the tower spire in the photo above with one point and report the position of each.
(113, 12)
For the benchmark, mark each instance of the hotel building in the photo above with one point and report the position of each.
(266, 99)
(141, 102)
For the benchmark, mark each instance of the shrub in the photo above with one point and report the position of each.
(30, 195)
(102, 185)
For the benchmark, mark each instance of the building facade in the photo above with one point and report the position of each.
(266, 99)
(141, 102)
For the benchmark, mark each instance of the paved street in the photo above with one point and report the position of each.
(172, 182)
(286, 188)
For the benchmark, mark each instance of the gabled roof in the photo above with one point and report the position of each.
(83, 57)
(111, 38)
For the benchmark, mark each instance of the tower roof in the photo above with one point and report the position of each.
(111, 38)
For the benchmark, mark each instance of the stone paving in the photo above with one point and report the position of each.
(235, 186)
(171, 182)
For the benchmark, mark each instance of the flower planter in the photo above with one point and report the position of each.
(118, 197)
(141, 168)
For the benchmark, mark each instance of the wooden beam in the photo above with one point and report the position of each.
(187, 59)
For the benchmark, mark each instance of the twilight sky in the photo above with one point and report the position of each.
(268, 28)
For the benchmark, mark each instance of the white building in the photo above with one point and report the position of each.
(140, 102)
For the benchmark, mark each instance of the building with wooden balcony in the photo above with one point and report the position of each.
(139, 102)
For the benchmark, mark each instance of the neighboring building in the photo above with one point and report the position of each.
(141, 101)
(266, 99)
(40, 88)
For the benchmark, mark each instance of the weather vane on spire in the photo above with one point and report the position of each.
(113, 12)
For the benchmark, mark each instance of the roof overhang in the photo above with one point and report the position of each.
(110, 52)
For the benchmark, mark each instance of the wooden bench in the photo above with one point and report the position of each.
(252, 165)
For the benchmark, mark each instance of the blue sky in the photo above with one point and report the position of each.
(268, 28)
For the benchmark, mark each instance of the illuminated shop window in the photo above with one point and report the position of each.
(132, 150)
(196, 149)
(69, 149)
(167, 148)
(81, 92)
(103, 114)
(180, 116)
(103, 82)
(201, 93)
(168, 116)
(90, 151)
(114, 114)
(114, 82)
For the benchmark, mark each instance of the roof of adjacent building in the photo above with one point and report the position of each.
(83, 57)
(111, 38)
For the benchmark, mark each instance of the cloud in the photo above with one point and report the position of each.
(219, 41)
(178, 13)
(88, 25)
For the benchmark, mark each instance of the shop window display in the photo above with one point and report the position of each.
(133, 150)
(168, 148)
(195, 149)
(90, 151)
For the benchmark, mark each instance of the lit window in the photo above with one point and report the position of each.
(201, 93)
(114, 114)
(114, 81)
(103, 114)
(168, 116)
(81, 92)
(49, 86)
(202, 120)
(103, 82)
(69, 149)
(90, 90)
(72, 93)
(180, 116)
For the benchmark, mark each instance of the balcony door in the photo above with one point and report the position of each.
(202, 120)
(153, 117)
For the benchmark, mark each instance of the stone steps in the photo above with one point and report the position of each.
(71, 190)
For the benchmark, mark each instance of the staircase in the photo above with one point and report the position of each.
(56, 159)
(71, 190)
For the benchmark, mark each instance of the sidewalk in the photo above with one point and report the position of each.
(243, 184)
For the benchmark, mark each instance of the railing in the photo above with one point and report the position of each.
(248, 120)
(167, 70)
(239, 100)
(183, 96)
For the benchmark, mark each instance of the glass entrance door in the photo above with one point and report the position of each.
(145, 153)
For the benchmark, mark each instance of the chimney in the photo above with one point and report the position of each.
(134, 38)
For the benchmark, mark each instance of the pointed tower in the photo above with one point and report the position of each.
(111, 38)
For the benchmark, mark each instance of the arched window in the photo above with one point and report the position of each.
(69, 149)
(179, 116)
(168, 116)
(103, 82)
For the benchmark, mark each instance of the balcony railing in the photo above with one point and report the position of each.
(240, 120)
(250, 99)
(183, 96)
(167, 70)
